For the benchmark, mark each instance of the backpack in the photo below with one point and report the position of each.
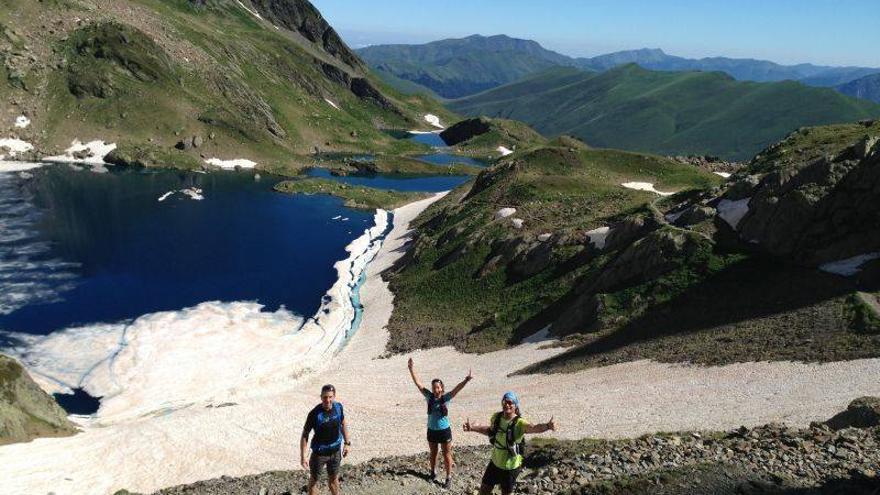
(444, 411)
(512, 448)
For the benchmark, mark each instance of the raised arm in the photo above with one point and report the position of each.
(541, 428)
(457, 389)
(412, 373)
(476, 428)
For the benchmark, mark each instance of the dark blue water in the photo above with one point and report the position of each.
(103, 249)
(433, 139)
(435, 183)
(79, 402)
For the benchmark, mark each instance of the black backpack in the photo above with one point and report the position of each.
(512, 448)
(444, 411)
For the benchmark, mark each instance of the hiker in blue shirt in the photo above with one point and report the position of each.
(439, 431)
(330, 443)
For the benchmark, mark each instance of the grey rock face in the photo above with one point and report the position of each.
(26, 412)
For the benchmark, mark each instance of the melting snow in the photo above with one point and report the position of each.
(504, 213)
(849, 266)
(334, 105)
(18, 166)
(504, 151)
(598, 236)
(230, 164)
(166, 195)
(645, 186)
(252, 12)
(545, 237)
(22, 122)
(433, 120)
(723, 174)
(97, 149)
(733, 211)
(14, 146)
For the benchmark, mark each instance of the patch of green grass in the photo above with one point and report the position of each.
(360, 197)
(864, 319)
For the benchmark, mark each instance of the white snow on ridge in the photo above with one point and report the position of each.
(334, 105)
(504, 213)
(598, 236)
(850, 266)
(252, 12)
(22, 122)
(97, 150)
(722, 174)
(504, 151)
(230, 164)
(645, 186)
(433, 120)
(733, 212)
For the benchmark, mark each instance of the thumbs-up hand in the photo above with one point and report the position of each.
(467, 425)
(551, 425)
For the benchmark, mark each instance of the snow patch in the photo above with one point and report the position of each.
(850, 266)
(545, 237)
(194, 193)
(334, 105)
(733, 212)
(598, 236)
(15, 146)
(18, 166)
(252, 12)
(96, 150)
(433, 120)
(425, 132)
(504, 151)
(504, 213)
(231, 164)
(165, 196)
(723, 174)
(517, 223)
(22, 122)
(645, 186)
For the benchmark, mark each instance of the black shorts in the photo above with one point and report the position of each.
(318, 461)
(440, 436)
(497, 476)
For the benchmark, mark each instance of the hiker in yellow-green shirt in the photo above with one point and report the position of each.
(506, 433)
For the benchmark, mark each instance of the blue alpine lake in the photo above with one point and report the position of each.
(79, 247)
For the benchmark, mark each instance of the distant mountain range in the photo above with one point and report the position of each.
(669, 113)
(867, 87)
(454, 68)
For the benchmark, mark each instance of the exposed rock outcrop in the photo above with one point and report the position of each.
(26, 412)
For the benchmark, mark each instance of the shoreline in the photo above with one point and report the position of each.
(258, 433)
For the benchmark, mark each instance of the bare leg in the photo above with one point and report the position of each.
(333, 483)
(447, 457)
(432, 456)
(313, 486)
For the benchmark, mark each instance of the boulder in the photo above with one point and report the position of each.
(504, 213)
(695, 214)
(197, 141)
(863, 412)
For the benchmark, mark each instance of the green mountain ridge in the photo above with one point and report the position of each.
(550, 239)
(267, 80)
(665, 112)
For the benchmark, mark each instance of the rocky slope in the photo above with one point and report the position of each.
(723, 271)
(26, 412)
(179, 82)
(867, 87)
(839, 457)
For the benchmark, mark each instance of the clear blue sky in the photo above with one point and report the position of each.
(829, 32)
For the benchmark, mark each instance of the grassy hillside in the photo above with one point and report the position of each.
(665, 112)
(262, 80)
(630, 275)
(458, 67)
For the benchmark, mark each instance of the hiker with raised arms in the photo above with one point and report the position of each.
(439, 429)
(506, 433)
(330, 443)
